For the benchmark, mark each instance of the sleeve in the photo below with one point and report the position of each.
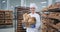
(38, 22)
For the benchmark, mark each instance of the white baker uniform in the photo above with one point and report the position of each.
(37, 23)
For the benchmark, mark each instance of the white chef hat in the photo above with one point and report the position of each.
(33, 5)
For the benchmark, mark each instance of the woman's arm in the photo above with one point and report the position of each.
(38, 22)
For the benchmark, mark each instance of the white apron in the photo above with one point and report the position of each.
(37, 23)
(32, 30)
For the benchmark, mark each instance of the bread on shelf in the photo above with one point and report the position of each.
(52, 18)
(52, 8)
(6, 17)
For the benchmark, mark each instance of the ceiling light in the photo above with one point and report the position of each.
(3, 1)
(43, 2)
(43, 6)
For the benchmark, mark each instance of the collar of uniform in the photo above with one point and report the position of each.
(34, 13)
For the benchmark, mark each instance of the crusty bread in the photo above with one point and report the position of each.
(32, 20)
(28, 20)
(58, 24)
(25, 17)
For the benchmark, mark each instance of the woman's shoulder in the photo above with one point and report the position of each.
(37, 14)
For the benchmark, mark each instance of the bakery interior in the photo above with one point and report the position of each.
(11, 14)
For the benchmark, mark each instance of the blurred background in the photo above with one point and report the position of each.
(11, 5)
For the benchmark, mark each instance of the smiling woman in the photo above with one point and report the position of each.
(12, 13)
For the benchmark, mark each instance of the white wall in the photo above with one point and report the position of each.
(13, 3)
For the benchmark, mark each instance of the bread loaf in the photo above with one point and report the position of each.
(28, 20)
(32, 20)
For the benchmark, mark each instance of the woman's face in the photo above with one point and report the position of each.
(32, 9)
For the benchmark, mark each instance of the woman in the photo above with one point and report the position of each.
(33, 8)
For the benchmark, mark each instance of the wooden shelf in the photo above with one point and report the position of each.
(20, 11)
(6, 17)
(53, 16)
(52, 8)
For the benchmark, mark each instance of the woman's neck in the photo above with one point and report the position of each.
(33, 12)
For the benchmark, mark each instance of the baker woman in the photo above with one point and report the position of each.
(33, 8)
